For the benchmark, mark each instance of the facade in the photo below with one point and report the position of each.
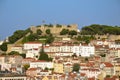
(15, 60)
(87, 51)
(90, 73)
(14, 77)
(76, 50)
(27, 60)
(32, 53)
(32, 49)
(32, 45)
(58, 67)
(31, 72)
(42, 64)
(17, 49)
(67, 67)
(2, 59)
(116, 64)
(108, 68)
(63, 54)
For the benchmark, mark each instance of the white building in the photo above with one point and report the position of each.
(66, 48)
(31, 45)
(69, 49)
(114, 45)
(63, 54)
(32, 49)
(42, 64)
(33, 53)
(83, 50)
(86, 51)
(90, 72)
(76, 49)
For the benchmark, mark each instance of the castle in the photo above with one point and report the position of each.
(54, 28)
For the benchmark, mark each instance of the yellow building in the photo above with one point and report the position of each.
(45, 78)
(58, 67)
(50, 77)
(116, 67)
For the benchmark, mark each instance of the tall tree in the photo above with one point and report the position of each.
(43, 55)
(13, 53)
(26, 66)
(3, 47)
(50, 39)
(48, 31)
(72, 32)
(39, 32)
(32, 37)
(76, 67)
(64, 32)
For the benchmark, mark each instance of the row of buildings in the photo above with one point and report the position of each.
(93, 65)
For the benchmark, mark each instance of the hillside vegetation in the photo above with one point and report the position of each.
(46, 37)
(100, 30)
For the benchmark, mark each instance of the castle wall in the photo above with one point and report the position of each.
(54, 29)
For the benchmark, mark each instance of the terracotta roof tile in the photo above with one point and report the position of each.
(107, 64)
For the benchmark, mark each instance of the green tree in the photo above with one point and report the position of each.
(3, 47)
(49, 39)
(32, 37)
(46, 68)
(39, 32)
(86, 59)
(107, 76)
(103, 55)
(43, 55)
(13, 53)
(68, 25)
(72, 32)
(64, 32)
(100, 29)
(74, 55)
(58, 25)
(117, 41)
(25, 39)
(50, 25)
(26, 66)
(48, 31)
(76, 67)
(23, 55)
(17, 35)
(38, 26)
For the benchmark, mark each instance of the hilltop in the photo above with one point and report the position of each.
(49, 33)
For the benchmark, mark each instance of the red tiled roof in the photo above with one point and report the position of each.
(107, 64)
(82, 74)
(91, 69)
(32, 69)
(91, 78)
(68, 64)
(28, 58)
(35, 48)
(44, 71)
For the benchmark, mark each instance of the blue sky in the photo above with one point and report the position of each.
(21, 14)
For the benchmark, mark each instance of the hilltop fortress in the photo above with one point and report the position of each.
(55, 29)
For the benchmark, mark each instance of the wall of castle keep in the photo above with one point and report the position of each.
(54, 29)
(109, 37)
